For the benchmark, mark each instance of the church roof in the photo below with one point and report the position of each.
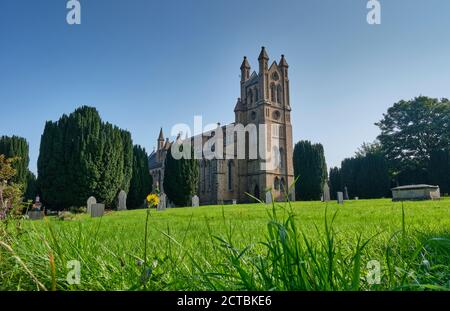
(239, 105)
(153, 161)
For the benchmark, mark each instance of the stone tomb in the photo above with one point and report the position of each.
(91, 201)
(346, 197)
(269, 198)
(340, 198)
(326, 193)
(416, 192)
(97, 210)
(36, 215)
(162, 202)
(122, 206)
(195, 201)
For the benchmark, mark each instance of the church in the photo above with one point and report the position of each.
(264, 101)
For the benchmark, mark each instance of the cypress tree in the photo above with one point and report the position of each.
(366, 176)
(80, 156)
(335, 182)
(311, 169)
(17, 147)
(141, 180)
(31, 191)
(181, 179)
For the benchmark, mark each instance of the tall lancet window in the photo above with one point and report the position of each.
(282, 185)
(230, 175)
(279, 94)
(273, 90)
(256, 95)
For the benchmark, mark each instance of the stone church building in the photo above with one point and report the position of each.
(264, 100)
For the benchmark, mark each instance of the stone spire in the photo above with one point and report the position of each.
(160, 139)
(263, 55)
(283, 62)
(245, 70)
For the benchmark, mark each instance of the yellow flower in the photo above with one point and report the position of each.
(152, 199)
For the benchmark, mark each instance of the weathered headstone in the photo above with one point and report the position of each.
(162, 202)
(91, 201)
(340, 197)
(346, 197)
(234, 201)
(195, 201)
(326, 193)
(269, 197)
(356, 198)
(97, 210)
(36, 215)
(122, 201)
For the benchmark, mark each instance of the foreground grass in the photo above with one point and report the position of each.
(302, 246)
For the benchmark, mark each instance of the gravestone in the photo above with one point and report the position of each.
(234, 201)
(269, 197)
(340, 197)
(91, 201)
(326, 193)
(346, 197)
(36, 215)
(195, 201)
(162, 202)
(97, 210)
(356, 198)
(122, 201)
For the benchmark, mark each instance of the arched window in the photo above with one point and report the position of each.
(276, 157)
(279, 94)
(256, 95)
(249, 96)
(273, 89)
(230, 175)
(282, 185)
(276, 183)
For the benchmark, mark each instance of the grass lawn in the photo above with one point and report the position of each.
(238, 247)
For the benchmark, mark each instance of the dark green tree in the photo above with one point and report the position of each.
(17, 147)
(410, 132)
(141, 180)
(80, 156)
(31, 190)
(310, 169)
(439, 170)
(335, 182)
(366, 175)
(181, 179)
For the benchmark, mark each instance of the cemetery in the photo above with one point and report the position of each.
(299, 191)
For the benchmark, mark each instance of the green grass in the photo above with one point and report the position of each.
(298, 246)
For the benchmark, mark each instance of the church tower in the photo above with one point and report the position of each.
(265, 101)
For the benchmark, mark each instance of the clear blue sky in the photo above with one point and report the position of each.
(146, 64)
